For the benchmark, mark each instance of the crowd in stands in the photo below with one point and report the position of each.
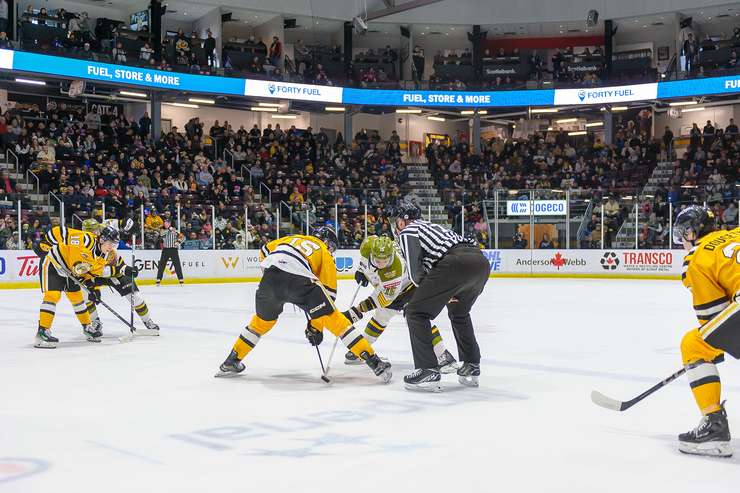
(295, 177)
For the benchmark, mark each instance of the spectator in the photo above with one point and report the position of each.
(518, 241)
(731, 128)
(145, 53)
(92, 119)
(691, 52)
(118, 53)
(276, 51)
(3, 15)
(209, 47)
(145, 125)
(546, 242)
(729, 216)
(7, 187)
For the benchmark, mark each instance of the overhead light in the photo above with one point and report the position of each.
(338, 109)
(620, 108)
(580, 132)
(701, 108)
(472, 112)
(689, 186)
(436, 118)
(184, 105)
(549, 129)
(270, 105)
(567, 120)
(30, 81)
(132, 93)
(544, 110)
(513, 126)
(408, 110)
(260, 108)
(284, 117)
(595, 124)
(683, 103)
(603, 108)
(199, 100)
(513, 192)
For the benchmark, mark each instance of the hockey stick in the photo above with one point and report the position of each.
(334, 347)
(615, 405)
(133, 262)
(321, 362)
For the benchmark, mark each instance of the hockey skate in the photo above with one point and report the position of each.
(92, 333)
(381, 368)
(468, 374)
(423, 379)
(231, 366)
(351, 359)
(447, 363)
(710, 437)
(44, 339)
(151, 329)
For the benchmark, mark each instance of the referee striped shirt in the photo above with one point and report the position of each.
(423, 244)
(170, 239)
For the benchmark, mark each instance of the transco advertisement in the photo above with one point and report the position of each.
(157, 79)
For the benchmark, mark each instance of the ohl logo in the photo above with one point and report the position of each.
(581, 94)
(271, 87)
(345, 264)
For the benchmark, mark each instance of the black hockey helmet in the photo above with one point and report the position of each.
(109, 233)
(328, 236)
(695, 218)
(405, 210)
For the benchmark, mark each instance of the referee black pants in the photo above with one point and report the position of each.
(173, 255)
(456, 281)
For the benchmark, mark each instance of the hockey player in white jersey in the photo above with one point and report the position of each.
(381, 267)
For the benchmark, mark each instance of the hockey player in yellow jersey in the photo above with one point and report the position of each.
(301, 270)
(711, 270)
(124, 285)
(68, 253)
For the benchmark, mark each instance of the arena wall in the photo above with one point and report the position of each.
(19, 268)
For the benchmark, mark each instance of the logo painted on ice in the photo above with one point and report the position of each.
(271, 87)
(345, 264)
(581, 94)
(12, 468)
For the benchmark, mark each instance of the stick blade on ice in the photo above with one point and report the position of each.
(606, 402)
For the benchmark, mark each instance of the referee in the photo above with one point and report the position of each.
(447, 270)
(170, 245)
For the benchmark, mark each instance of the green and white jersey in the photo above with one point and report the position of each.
(389, 282)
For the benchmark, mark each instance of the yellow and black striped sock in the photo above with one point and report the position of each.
(373, 330)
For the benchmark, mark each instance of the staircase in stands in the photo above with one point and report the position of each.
(661, 176)
(425, 192)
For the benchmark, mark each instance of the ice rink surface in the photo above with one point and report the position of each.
(148, 416)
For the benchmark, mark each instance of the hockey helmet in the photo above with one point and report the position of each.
(382, 252)
(695, 218)
(328, 236)
(91, 226)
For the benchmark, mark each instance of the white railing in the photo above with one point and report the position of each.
(35, 177)
(15, 158)
(269, 191)
(61, 207)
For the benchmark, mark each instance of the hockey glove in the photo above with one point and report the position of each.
(353, 314)
(93, 295)
(128, 271)
(314, 336)
(361, 279)
(367, 305)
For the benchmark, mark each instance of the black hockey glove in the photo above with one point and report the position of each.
(314, 335)
(128, 271)
(361, 279)
(93, 295)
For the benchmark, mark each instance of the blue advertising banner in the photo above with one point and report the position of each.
(86, 69)
(144, 77)
(537, 97)
(699, 87)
